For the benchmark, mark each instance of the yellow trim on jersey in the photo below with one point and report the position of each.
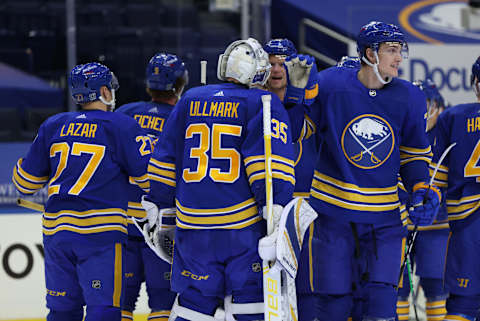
(416, 158)
(353, 187)
(162, 164)
(161, 172)
(162, 180)
(356, 207)
(311, 93)
(85, 213)
(21, 189)
(223, 210)
(413, 150)
(117, 277)
(301, 194)
(460, 209)
(452, 317)
(26, 184)
(236, 226)
(352, 196)
(159, 315)
(310, 257)
(85, 230)
(379, 200)
(136, 210)
(218, 219)
(83, 222)
(30, 177)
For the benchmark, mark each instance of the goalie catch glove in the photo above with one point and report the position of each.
(159, 237)
(301, 71)
(267, 245)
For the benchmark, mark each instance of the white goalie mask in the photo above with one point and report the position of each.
(245, 61)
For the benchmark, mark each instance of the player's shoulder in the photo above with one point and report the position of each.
(462, 110)
(131, 107)
(334, 77)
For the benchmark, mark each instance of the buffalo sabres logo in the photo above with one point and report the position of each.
(367, 141)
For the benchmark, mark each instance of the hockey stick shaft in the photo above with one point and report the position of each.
(30, 205)
(203, 72)
(271, 276)
(415, 228)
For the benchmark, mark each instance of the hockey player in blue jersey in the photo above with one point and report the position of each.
(211, 161)
(166, 78)
(304, 148)
(373, 128)
(85, 158)
(458, 175)
(431, 242)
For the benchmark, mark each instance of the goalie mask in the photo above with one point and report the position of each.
(245, 61)
(375, 33)
(86, 80)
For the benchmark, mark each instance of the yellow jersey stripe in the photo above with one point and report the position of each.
(30, 177)
(85, 230)
(353, 187)
(162, 164)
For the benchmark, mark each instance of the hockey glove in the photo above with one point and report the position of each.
(298, 68)
(277, 214)
(267, 245)
(159, 237)
(311, 91)
(425, 203)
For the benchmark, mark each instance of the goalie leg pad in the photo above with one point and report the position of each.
(196, 312)
(71, 315)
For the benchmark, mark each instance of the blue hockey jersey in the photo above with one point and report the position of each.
(459, 173)
(211, 158)
(368, 137)
(151, 116)
(85, 157)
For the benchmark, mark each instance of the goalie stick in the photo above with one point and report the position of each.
(275, 294)
(203, 72)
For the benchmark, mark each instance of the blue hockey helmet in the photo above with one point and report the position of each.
(349, 62)
(281, 47)
(374, 33)
(86, 80)
(425, 86)
(163, 70)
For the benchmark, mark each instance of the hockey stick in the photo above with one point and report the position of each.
(203, 72)
(272, 294)
(30, 205)
(411, 240)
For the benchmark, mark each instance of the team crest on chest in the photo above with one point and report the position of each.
(368, 141)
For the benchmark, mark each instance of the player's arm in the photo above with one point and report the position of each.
(442, 142)
(162, 168)
(415, 150)
(31, 173)
(136, 149)
(282, 156)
